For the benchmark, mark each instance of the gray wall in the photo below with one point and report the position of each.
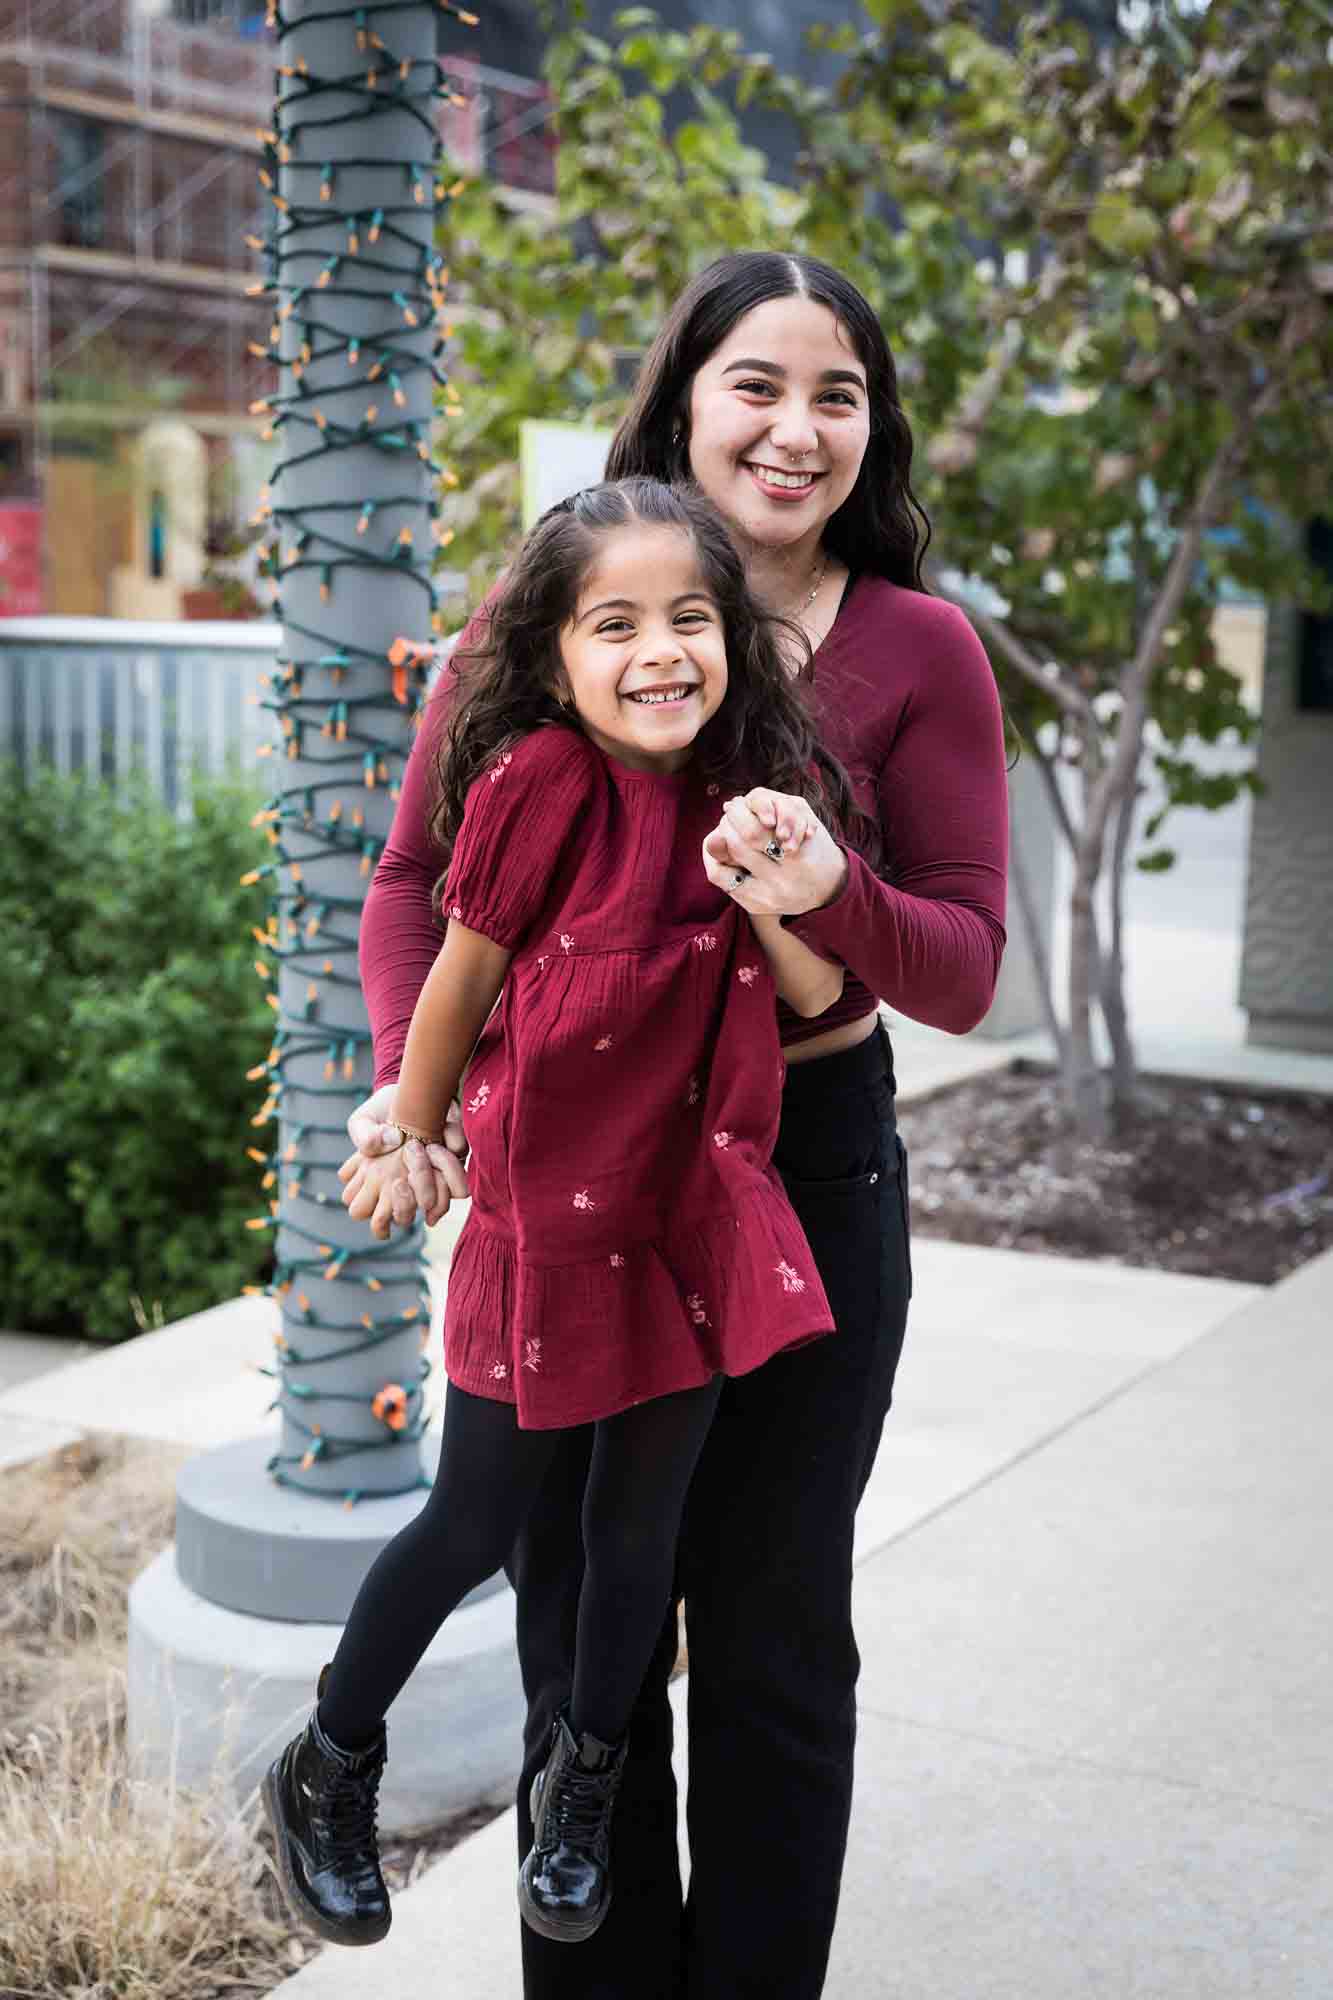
(1286, 979)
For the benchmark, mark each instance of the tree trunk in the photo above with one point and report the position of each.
(355, 273)
(1124, 1068)
(1034, 930)
(1084, 1095)
(1109, 791)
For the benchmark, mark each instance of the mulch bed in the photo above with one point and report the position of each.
(1204, 1179)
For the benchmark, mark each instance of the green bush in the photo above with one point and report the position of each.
(132, 1013)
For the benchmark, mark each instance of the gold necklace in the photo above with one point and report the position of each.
(806, 602)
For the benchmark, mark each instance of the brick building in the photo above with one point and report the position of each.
(129, 155)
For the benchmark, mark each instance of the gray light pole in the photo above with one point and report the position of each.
(350, 166)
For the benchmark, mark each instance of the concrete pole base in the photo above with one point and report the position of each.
(214, 1694)
(273, 1551)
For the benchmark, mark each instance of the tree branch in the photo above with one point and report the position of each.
(1123, 763)
(998, 634)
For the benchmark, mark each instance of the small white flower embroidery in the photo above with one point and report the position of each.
(792, 1281)
(498, 770)
(721, 1140)
(605, 1043)
(713, 791)
(705, 942)
(747, 974)
(456, 911)
(499, 1373)
(566, 942)
(483, 1092)
(617, 1261)
(695, 1307)
(542, 964)
(693, 1097)
(532, 1355)
(584, 1201)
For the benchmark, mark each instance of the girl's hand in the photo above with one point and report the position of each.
(383, 1191)
(812, 868)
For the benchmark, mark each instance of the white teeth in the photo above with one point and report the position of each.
(652, 697)
(772, 478)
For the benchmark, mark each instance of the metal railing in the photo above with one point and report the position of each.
(115, 697)
(110, 698)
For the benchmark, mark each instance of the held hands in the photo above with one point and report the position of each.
(388, 1182)
(810, 872)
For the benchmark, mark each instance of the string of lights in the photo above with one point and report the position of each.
(358, 329)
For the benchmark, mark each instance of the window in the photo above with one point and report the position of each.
(80, 190)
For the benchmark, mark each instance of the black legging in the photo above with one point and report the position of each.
(490, 1473)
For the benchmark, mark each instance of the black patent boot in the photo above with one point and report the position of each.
(320, 1802)
(564, 1886)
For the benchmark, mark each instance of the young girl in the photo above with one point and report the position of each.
(629, 1243)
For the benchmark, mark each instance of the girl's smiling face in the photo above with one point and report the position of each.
(779, 421)
(643, 657)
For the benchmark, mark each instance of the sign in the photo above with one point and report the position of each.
(22, 585)
(556, 460)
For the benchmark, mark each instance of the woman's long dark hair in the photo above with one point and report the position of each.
(761, 735)
(880, 529)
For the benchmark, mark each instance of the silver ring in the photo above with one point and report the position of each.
(774, 849)
(741, 875)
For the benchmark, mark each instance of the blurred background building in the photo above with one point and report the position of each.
(129, 155)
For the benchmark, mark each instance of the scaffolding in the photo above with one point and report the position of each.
(131, 219)
(127, 199)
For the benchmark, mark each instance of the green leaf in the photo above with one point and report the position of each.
(1122, 227)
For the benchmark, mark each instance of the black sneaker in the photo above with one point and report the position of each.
(564, 1886)
(320, 1802)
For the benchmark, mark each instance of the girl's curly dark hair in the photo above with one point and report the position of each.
(761, 735)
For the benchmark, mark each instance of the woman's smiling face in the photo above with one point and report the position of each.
(779, 421)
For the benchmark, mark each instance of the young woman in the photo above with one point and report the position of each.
(629, 1245)
(772, 387)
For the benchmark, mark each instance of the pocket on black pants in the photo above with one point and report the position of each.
(843, 1224)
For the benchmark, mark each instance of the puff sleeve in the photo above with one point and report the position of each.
(519, 820)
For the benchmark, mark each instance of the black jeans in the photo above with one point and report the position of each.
(765, 1567)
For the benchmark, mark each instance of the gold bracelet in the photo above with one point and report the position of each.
(411, 1132)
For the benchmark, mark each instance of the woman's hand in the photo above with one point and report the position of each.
(435, 1174)
(810, 872)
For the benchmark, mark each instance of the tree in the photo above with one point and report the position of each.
(1106, 265)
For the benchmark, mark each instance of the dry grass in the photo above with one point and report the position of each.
(75, 1529)
(108, 1889)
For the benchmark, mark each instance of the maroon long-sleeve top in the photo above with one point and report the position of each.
(904, 696)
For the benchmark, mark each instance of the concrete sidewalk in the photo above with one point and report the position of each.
(1093, 1601)
(1093, 1605)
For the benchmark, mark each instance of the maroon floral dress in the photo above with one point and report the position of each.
(628, 1234)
